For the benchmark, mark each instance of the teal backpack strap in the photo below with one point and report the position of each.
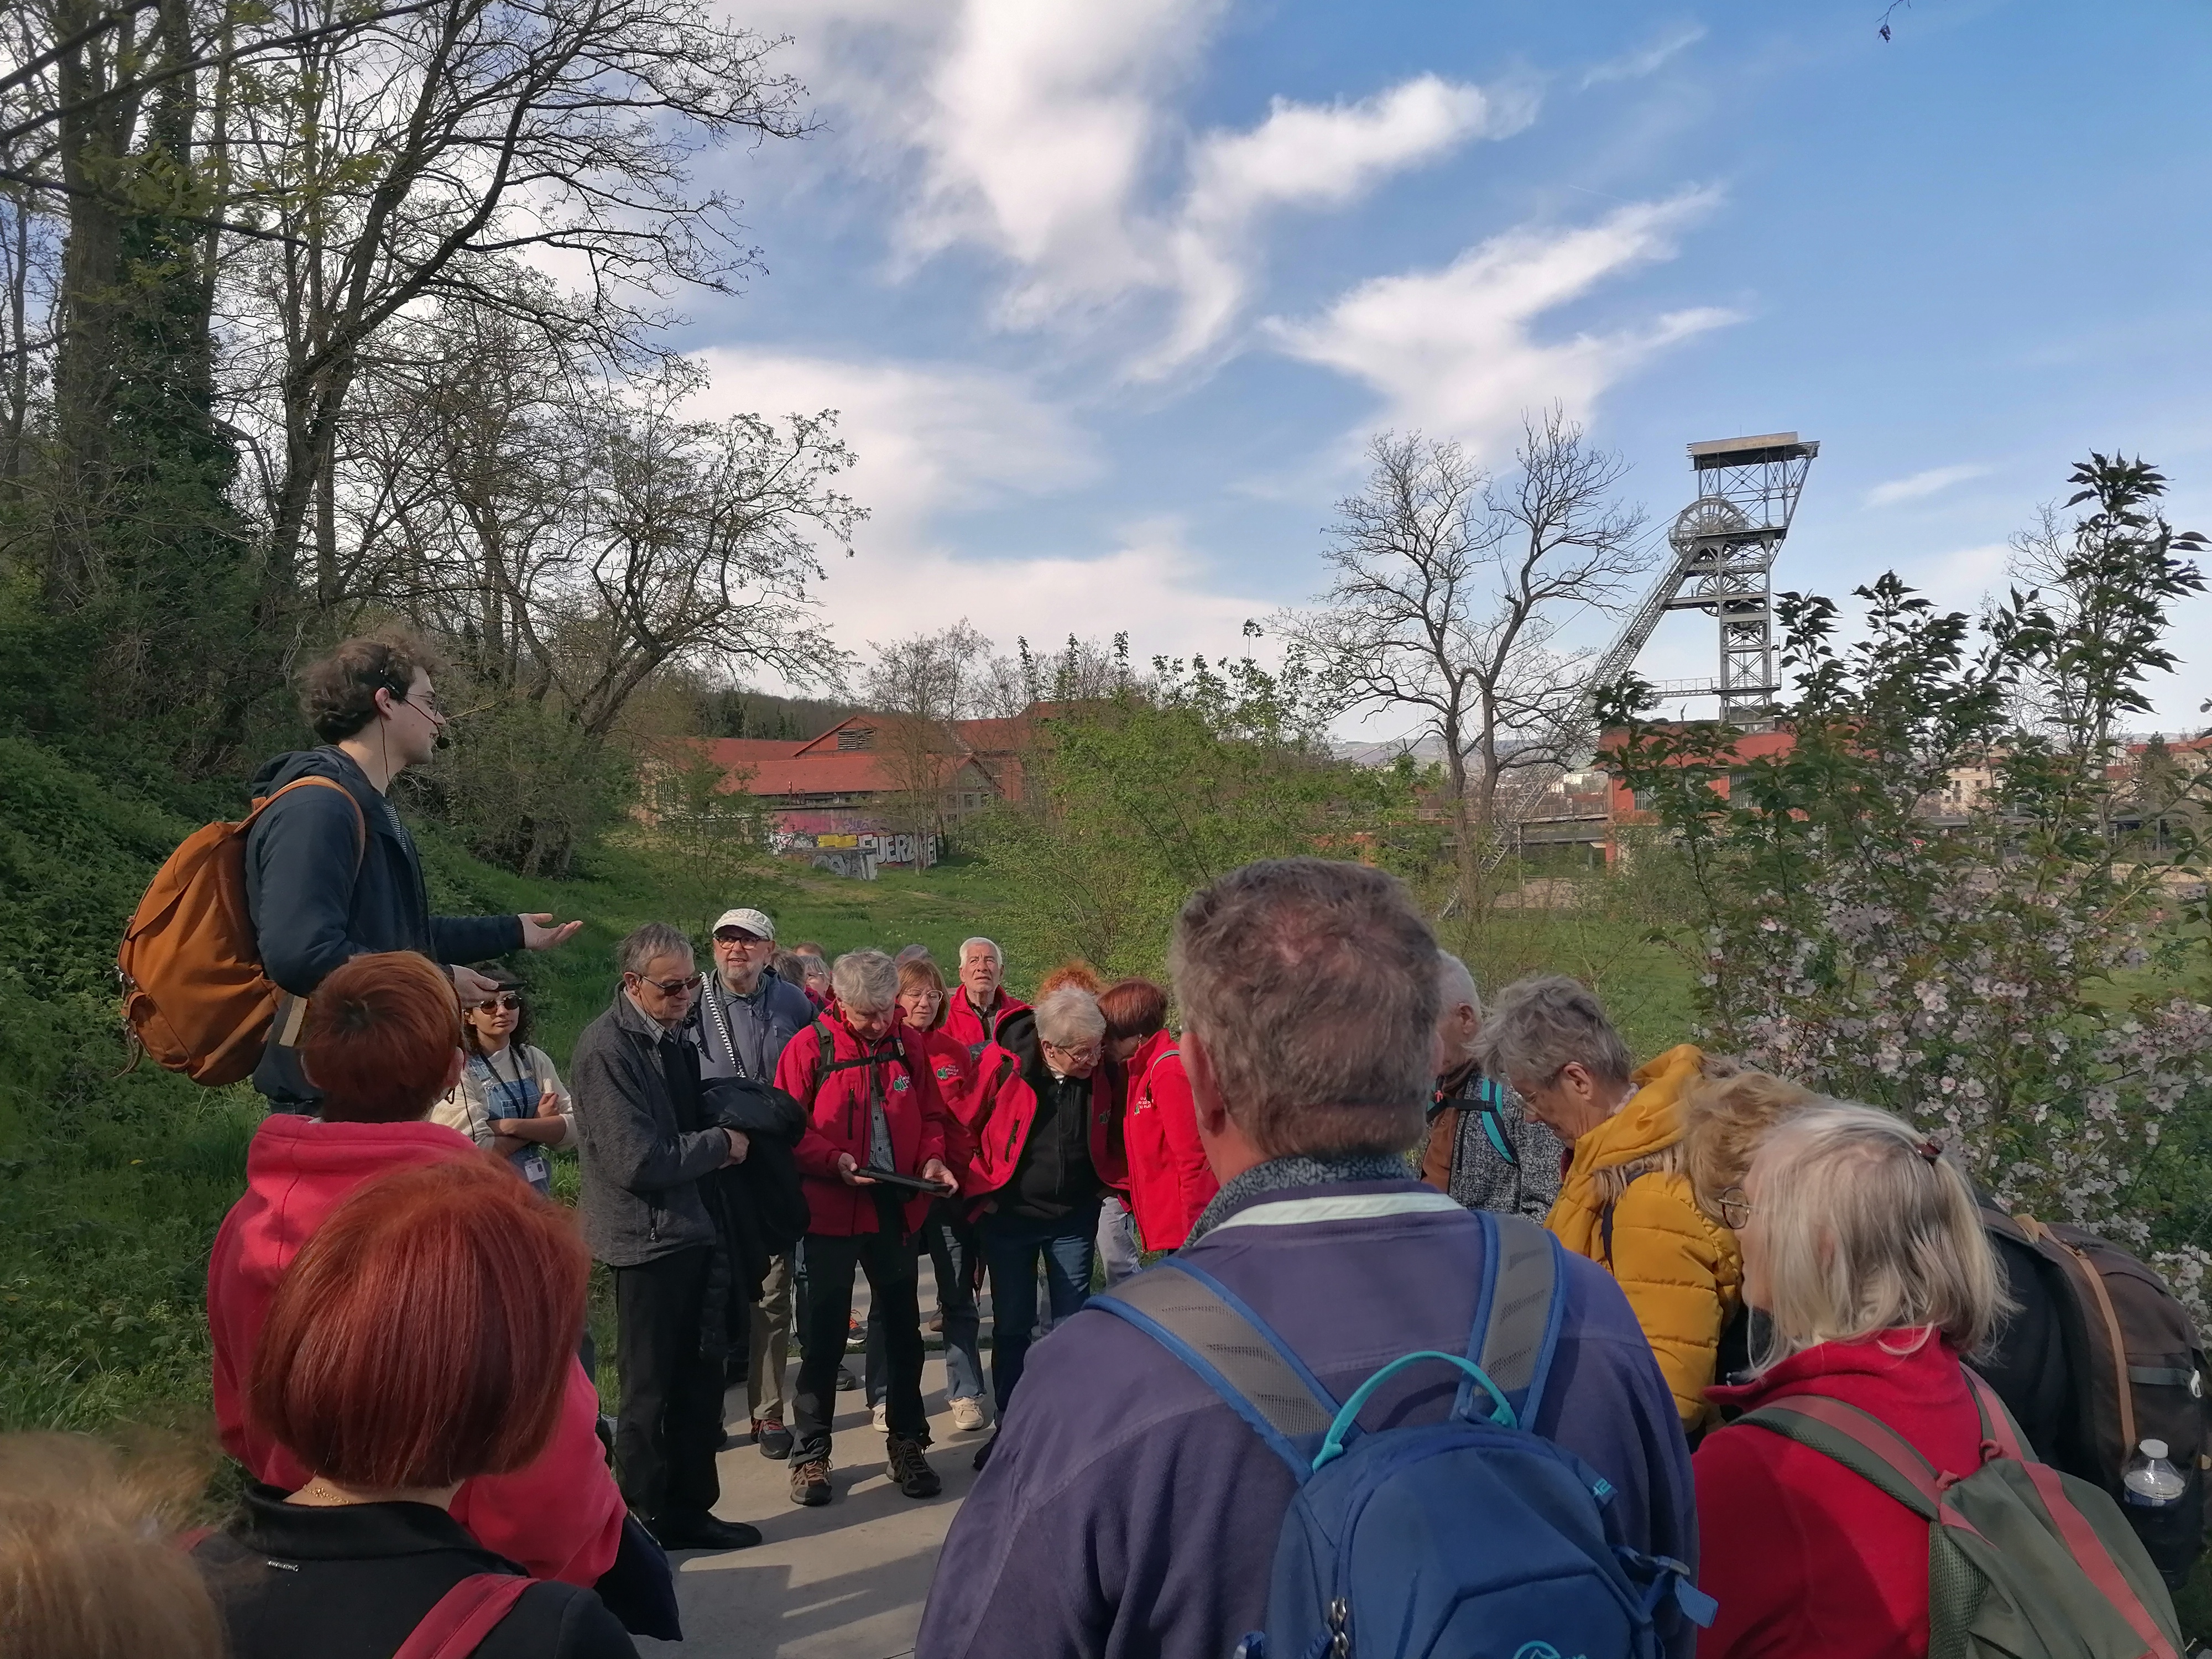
(1489, 1109)
(1207, 1326)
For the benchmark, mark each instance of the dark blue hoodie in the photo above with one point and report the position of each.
(318, 900)
(1126, 1511)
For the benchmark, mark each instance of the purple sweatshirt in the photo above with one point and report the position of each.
(1128, 1511)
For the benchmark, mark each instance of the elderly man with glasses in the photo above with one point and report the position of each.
(648, 1214)
(1049, 1147)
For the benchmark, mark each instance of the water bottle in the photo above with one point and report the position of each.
(2152, 1482)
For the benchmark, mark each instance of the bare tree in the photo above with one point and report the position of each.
(1450, 591)
(924, 682)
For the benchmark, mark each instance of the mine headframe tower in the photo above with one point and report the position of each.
(1723, 547)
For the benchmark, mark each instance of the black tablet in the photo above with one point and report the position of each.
(911, 1183)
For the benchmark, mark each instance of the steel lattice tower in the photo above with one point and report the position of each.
(1724, 545)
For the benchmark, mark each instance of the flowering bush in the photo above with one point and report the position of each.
(1940, 897)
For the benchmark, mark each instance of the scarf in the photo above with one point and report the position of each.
(1279, 1175)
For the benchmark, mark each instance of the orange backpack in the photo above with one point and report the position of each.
(194, 993)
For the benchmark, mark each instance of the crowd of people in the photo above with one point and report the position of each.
(1344, 1168)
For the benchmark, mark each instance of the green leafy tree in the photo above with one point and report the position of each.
(1140, 797)
(1924, 900)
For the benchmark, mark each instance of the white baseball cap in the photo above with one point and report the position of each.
(751, 921)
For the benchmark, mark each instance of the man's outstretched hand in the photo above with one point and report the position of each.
(470, 986)
(539, 932)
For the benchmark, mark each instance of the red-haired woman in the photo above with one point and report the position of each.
(422, 1341)
(1170, 1181)
(383, 1043)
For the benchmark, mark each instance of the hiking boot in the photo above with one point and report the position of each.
(967, 1415)
(909, 1470)
(810, 1482)
(772, 1437)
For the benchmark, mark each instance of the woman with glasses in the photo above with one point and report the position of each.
(1049, 1148)
(509, 1097)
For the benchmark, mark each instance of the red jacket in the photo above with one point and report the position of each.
(897, 1071)
(1170, 1180)
(1005, 1107)
(955, 1076)
(1804, 1557)
(561, 1516)
(973, 1031)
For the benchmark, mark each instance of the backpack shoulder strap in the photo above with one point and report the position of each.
(1490, 1112)
(1861, 1443)
(1516, 1321)
(1207, 1327)
(463, 1616)
(360, 823)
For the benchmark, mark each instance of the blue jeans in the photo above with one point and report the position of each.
(954, 1253)
(1012, 1245)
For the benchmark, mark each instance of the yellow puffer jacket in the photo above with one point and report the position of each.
(1680, 1270)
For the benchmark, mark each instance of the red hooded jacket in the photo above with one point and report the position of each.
(1171, 1183)
(898, 1072)
(973, 1031)
(561, 1516)
(1805, 1557)
(1005, 1107)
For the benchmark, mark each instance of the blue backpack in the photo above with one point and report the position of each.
(1473, 1538)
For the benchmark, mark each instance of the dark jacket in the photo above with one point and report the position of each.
(1128, 1510)
(353, 1583)
(761, 1025)
(642, 1167)
(762, 1207)
(317, 900)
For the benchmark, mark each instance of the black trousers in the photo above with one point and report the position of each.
(888, 1258)
(670, 1423)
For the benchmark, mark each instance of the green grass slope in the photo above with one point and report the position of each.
(112, 1182)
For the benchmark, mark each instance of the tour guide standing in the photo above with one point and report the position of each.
(981, 1001)
(331, 874)
(872, 1104)
(1129, 1508)
(745, 1015)
(646, 1151)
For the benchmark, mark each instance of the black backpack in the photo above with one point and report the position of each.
(2133, 1369)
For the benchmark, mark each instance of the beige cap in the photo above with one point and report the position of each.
(751, 921)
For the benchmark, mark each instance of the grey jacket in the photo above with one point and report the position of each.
(641, 1171)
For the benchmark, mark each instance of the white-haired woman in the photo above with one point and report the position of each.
(1048, 1147)
(1863, 1252)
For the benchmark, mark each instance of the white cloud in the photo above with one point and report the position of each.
(1454, 352)
(1646, 59)
(1046, 137)
(933, 438)
(1307, 155)
(1921, 485)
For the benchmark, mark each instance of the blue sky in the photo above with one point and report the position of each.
(1112, 294)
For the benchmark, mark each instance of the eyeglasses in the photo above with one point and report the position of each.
(732, 936)
(1089, 1051)
(673, 988)
(507, 1004)
(427, 703)
(1735, 1208)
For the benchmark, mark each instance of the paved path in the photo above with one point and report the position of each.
(844, 1582)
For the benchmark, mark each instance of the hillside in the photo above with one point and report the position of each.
(115, 1180)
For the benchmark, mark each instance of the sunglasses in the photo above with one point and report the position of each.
(673, 988)
(507, 1004)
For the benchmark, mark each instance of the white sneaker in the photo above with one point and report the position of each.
(883, 1418)
(967, 1415)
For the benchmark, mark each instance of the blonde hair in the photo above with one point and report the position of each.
(88, 1569)
(1725, 1114)
(1867, 1229)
